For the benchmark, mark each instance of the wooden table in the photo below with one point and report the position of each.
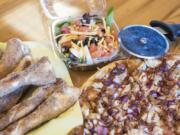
(23, 19)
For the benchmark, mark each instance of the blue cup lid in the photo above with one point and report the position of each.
(143, 41)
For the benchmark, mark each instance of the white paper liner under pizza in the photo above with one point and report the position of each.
(133, 97)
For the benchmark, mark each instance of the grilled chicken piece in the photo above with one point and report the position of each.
(6, 102)
(38, 74)
(14, 52)
(28, 105)
(63, 98)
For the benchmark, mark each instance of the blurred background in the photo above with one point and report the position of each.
(23, 18)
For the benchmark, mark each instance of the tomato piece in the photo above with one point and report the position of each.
(98, 52)
(65, 30)
(92, 48)
(96, 55)
(107, 54)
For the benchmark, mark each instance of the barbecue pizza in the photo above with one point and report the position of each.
(132, 97)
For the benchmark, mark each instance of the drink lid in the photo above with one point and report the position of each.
(56, 9)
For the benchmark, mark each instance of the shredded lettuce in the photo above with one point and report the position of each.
(110, 17)
(59, 26)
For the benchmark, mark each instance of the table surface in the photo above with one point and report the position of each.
(23, 19)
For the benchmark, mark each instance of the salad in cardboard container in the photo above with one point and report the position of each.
(86, 41)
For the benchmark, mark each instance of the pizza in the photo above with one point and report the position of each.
(132, 97)
(160, 81)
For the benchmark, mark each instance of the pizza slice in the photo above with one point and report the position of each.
(160, 81)
(107, 100)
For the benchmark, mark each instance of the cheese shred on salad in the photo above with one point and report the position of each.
(87, 39)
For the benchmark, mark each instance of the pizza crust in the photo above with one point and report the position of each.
(131, 64)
